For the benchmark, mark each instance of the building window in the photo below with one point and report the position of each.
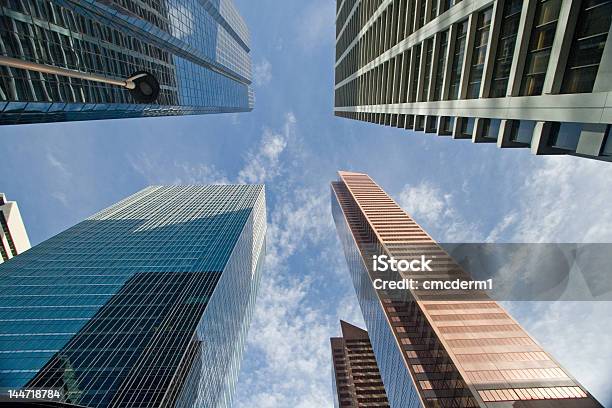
(588, 45)
(540, 44)
(446, 125)
(445, 5)
(522, 131)
(467, 127)
(434, 9)
(418, 123)
(505, 47)
(565, 135)
(607, 149)
(422, 12)
(409, 121)
(458, 60)
(440, 68)
(490, 128)
(427, 74)
(480, 52)
(432, 124)
(415, 78)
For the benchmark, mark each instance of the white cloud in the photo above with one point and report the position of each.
(288, 343)
(264, 164)
(565, 199)
(58, 165)
(199, 174)
(292, 338)
(498, 231)
(436, 212)
(155, 171)
(262, 72)
(296, 222)
(424, 201)
(62, 175)
(61, 197)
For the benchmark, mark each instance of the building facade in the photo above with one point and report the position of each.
(356, 379)
(145, 304)
(525, 74)
(198, 51)
(436, 348)
(13, 236)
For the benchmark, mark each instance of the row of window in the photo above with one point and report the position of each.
(395, 23)
(418, 74)
(560, 135)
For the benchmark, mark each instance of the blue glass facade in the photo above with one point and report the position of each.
(197, 49)
(146, 303)
(398, 383)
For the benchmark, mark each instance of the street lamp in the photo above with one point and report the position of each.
(142, 85)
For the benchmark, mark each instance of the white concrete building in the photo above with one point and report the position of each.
(13, 236)
(520, 73)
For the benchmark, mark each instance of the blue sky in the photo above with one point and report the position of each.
(62, 173)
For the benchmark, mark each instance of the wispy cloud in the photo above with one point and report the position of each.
(289, 337)
(63, 176)
(156, 171)
(58, 165)
(436, 212)
(262, 72)
(264, 164)
(565, 199)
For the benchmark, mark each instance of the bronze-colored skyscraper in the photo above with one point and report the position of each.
(357, 381)
(437, 349)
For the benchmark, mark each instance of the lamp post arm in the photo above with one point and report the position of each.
(48, 69)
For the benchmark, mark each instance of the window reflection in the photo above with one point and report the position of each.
(588, 45)
(458, 60)
(480, 52)
(467, 127)
(505, 47)
(521, 131)
(542, 37)
(565, 135)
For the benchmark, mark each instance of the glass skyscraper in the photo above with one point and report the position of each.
(145, 304)
(439, 348)
(198, 50)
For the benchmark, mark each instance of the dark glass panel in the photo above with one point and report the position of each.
(587, 47)
(542, 37)
(565, 135)
(480, 52)
(458, 60)
(522, 131)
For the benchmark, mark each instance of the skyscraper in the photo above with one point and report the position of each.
(355, 376)
(13, 236)
(197, 50)
(437, 349)
(525, 74)
(145, 304)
